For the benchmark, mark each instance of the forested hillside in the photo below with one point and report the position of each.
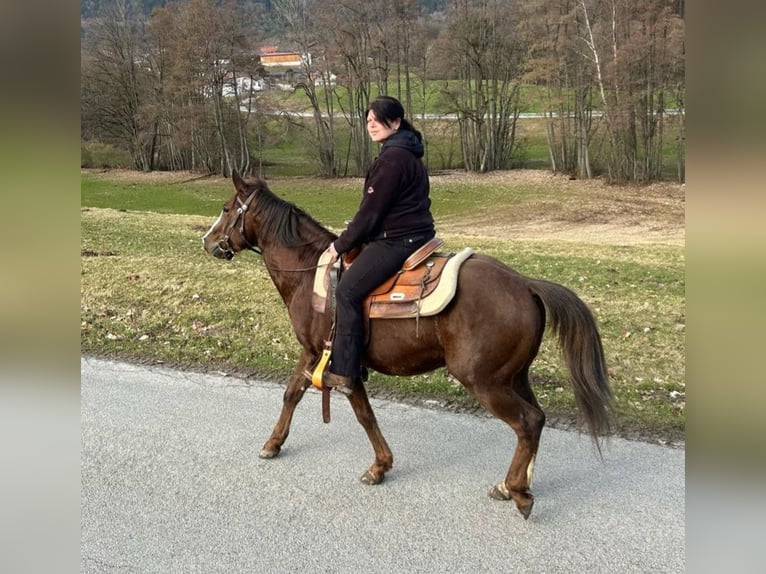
(90, 8)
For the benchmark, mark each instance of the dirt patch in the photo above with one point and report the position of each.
(614, 233)
(602, 213)
(130, 176)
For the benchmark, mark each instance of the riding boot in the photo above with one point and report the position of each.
(338, 382)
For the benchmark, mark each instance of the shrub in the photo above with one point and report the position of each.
(95, 154)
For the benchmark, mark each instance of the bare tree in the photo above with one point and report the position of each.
(349, 26)
(608, 65)
(634, 51)
(411, 47)
(300, 17)
(654, 49)
(483, 43)
(419, 73)
(206, 51)
(115, 83)
(556, 66)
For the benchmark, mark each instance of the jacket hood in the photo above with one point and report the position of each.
(407, 140)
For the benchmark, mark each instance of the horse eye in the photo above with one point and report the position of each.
(226, 210)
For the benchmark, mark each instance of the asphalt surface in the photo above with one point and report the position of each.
(171, 482)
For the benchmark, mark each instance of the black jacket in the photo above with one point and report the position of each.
(395, 201)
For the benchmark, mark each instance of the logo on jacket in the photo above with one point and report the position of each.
(370, 189)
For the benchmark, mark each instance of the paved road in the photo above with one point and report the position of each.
(172, 482)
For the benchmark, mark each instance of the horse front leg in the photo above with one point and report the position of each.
(296, 388)
(384, 459)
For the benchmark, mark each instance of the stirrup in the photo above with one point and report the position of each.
(315, 374)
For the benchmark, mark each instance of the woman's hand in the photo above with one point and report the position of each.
(333, 254)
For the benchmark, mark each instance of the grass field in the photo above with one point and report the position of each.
(150, 294)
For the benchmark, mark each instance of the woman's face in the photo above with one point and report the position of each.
(378, 130)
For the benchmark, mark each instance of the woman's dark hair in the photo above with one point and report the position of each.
(388, 109)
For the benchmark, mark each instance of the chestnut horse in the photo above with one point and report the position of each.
(487, 337)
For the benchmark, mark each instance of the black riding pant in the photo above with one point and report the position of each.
(378, 261)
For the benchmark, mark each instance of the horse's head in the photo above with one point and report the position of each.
(227, 236)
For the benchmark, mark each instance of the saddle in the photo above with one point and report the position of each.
(424, 285)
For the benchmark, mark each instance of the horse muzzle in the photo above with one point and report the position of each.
(222, 250)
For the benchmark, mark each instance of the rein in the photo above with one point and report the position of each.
(312, 268)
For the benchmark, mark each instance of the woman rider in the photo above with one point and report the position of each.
(393, 221)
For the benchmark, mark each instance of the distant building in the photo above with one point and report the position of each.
(243, 86)
(325, 80)
(271, 57)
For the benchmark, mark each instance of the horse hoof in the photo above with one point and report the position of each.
(499, 492)
(526, 508)
(266, 453)
(370, 478)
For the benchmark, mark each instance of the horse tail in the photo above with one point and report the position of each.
(582, 351)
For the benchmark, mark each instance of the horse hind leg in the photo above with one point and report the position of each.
(296, 388)
(517, 406)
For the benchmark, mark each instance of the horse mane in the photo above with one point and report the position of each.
(284, 220)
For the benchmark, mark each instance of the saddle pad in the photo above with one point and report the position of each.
(320, 289)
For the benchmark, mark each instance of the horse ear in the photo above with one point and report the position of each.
(239, 183)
